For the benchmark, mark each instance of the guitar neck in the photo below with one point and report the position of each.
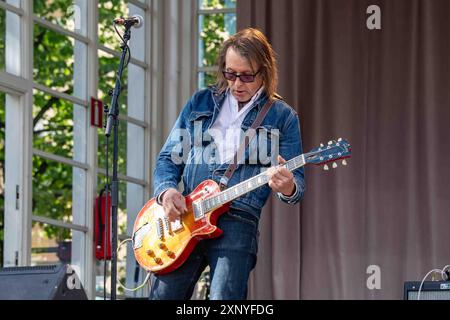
(246, 186)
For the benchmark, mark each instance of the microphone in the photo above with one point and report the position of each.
(136, 21)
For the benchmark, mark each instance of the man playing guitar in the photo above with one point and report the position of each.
(211, 126)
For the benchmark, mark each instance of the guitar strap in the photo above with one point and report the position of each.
(248, 137)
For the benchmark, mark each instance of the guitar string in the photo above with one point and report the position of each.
(216, 198)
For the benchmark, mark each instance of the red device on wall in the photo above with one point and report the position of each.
(102, 226)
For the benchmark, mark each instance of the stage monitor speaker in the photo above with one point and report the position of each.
(431, 290)
(53, 282)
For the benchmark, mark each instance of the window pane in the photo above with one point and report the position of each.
(135, 154)
(108, 66)
(214, 29)
(216, 4)
(50, 244)
(206, 78)
(53, 59)
(53, 125)
(52, 189)
(2, 172)
(2, 39)
(122, 155)
(122, 211)
(60, 12)
(109, 10)
(14, 3)
(136, 92)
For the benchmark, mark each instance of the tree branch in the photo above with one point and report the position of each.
(46, 107)
(52, 129)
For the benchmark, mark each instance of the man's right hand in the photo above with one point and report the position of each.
(173, 203)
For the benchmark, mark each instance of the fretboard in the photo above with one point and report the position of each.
(246, 186)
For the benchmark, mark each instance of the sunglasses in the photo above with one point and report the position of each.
(246, 78)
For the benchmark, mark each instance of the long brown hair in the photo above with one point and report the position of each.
(253, 45)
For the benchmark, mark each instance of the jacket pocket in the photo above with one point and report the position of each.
(198, 124)
(264, 147)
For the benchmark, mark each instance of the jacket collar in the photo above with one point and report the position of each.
(219, 97)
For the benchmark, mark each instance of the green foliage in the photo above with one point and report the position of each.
(53, 125)
(53, 59)
(52, 194)
(212, 35)
(52, 117)
(52, 181)
(215, 29)
(56, 11)
(108, 10)
(108, 66)
(216, 4)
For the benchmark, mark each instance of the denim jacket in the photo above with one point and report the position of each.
(189, 154)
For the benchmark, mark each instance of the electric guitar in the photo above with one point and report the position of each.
(161, 246)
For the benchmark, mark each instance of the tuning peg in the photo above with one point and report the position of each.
(344, 162)
(326, 168)
(340, 139)
(321, 145)
(330, 143)
(335, 165)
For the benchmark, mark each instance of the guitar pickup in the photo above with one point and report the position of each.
(139, 235)
(198, 210)
(160, 228)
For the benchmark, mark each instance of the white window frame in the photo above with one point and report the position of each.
(198, 13)
(17, 83)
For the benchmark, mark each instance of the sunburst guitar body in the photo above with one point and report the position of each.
(161, 246)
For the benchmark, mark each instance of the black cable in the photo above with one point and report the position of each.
(129, 56)
(118, 33)
(128, 51)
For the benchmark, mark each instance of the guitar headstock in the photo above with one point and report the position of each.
(330, 153)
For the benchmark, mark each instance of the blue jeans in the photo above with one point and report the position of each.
(231, 258)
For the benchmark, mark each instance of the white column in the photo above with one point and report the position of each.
(18, 144)
(136, 155)
(89, 27)
(82, 252)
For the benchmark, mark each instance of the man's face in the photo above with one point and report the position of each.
(235, 63)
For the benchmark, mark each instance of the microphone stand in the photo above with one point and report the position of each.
(113, 122)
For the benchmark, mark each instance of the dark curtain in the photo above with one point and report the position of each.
(388, 92)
